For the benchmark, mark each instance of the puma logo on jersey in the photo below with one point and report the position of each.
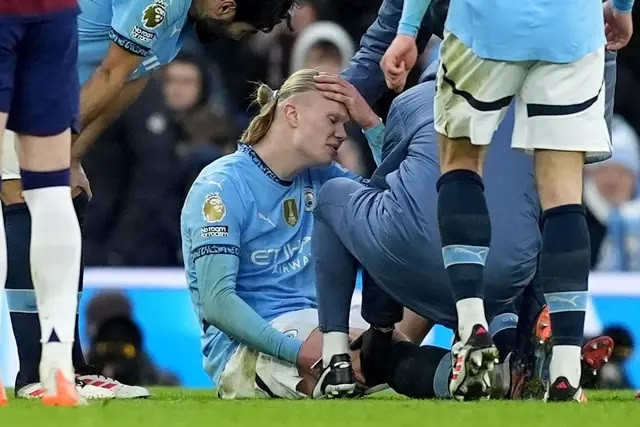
(264, 218)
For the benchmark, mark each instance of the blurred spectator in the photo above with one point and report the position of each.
(268, 54)
(204, 133)
(133, 217)
(117, 351)
(209, 135)
(323, 45)
(117, 344)
(328, 47)
(613, 375)
(103, 305)
(186, 84)
(611, 193)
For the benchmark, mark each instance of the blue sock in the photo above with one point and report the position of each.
(564, 270)
(465, 230)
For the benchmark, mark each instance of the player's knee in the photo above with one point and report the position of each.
(559, 177)
(45, 153)
(335, 192)
(460, 153)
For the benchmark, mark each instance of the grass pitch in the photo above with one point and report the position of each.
(189, 408)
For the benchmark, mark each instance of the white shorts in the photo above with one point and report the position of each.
(558, 106)
(10, 165)
(279, 378)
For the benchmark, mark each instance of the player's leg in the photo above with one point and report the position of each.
(22, 304)
(339, 228)
(419, 372)
(10, 36)
(561, 116)
(3, 254)
(3, 245)
(46, 102)
(382, 312)
(336, 271)
(471, 100)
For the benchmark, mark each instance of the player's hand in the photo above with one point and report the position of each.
(618, 27)
(338, 89)
(79, 179)
(398, 60)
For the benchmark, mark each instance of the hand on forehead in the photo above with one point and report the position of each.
(318, 102)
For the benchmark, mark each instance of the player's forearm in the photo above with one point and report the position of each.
(224, 309)
(412, 14)
(102, 88)
(89, 134)
(125, 97)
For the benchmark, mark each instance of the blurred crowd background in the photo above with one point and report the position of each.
(193, 111)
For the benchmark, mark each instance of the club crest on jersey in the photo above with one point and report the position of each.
(154, 14)
(290, 211)
(213, 209)
(309, 199)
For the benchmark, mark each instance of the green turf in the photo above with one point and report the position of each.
(179, 407)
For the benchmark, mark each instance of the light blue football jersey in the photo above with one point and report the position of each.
(153, 29)
(557, 31)
(238, 206)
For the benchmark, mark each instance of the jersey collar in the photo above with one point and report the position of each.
(244, 148)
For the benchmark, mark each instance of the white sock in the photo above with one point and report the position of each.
(470, 313)
(333, 343)
(55, 268)
(565, 361)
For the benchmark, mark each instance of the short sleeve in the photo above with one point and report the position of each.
(137, 24)
(214, 215)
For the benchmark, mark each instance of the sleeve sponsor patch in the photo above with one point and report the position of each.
(205, 250)
(142, 34)
(214, 231)
(127, 44)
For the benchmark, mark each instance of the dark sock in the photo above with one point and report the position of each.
(378, 308)
(465, 230)
(564, 270)
(419, 372)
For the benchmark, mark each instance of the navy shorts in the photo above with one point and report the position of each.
(39, 85)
